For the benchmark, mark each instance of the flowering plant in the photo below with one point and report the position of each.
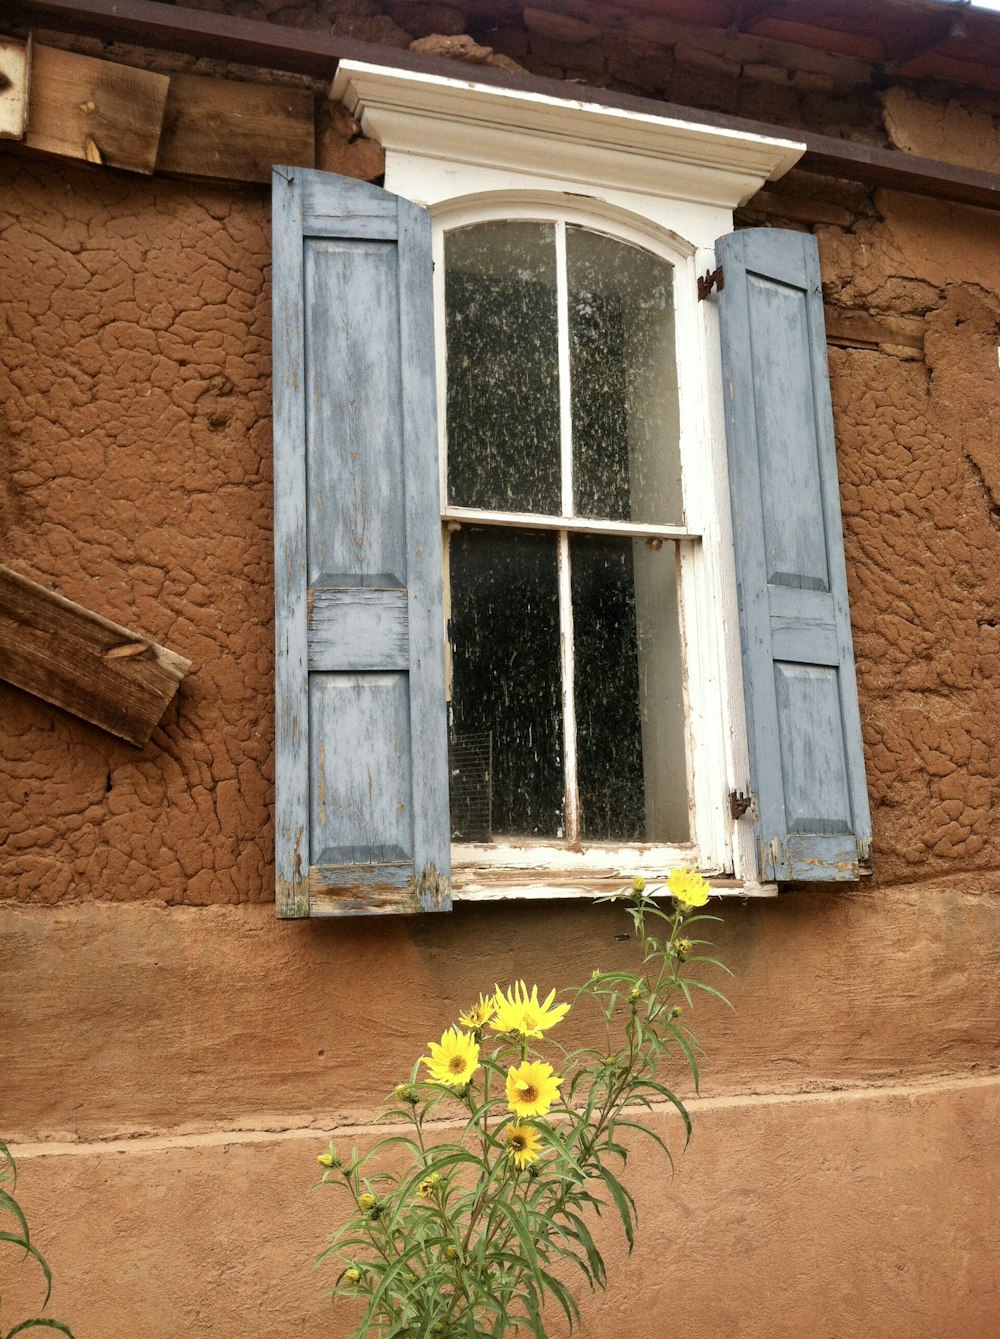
(472, 1239)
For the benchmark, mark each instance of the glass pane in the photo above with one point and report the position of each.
(626, 448)
(503, 382)
(506, 694)
(632, 767)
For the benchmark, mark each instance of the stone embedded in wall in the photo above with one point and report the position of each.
(341, 147)
(948, 131)
(560, 27)
(463, 47)
(421, 20)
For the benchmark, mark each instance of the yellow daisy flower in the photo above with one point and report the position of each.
(532, 1088)
(480, 1014)
(517, 1011)
(453, 1060)
(523, 1143)
(689, 887)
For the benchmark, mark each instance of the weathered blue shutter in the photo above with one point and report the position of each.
(806, 763)
(361, 746)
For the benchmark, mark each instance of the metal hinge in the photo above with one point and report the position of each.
(711, 279)
(739, 803)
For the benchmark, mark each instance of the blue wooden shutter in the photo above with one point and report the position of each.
(361, 745)
(807, 767)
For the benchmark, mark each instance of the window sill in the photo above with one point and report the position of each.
(542, 872)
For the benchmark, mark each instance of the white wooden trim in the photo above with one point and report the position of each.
(459, 122)
(526, 520)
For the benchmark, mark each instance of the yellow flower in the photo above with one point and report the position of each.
(352, 1275)
(523, 1143)
(689, 887)
(453, 1060)
(638, 884)
(325, 1159)
(531, 1088)
(517, 1011)
(480, 1014)
(426, 1187)
(366, 1203)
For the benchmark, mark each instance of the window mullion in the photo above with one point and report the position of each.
(565, 402)
(568, 689)
(565, 575)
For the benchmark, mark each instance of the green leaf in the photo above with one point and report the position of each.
(709, 990)
(8, 1157)
(524, 1237)
(624, 1203)
(688, 1050)
(8, 1202)
(644, 1129)
(40, 1324)
(563, 1297)
(594, 1257)
(31, 1250)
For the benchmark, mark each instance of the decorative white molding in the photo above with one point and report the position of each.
(536, 137)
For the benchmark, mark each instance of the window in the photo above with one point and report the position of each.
(563, 508)
(604, 716)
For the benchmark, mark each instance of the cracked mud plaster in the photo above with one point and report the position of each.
(135, 478)
(920, 484)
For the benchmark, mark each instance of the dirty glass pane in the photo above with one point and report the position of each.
(505, 678)
(632, 770)
(503, 384)
(626, 450)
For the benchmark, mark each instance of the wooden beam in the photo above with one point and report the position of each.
(83, 663)
(235, 131)
(95, 110)
(15, 72)
(275, 46)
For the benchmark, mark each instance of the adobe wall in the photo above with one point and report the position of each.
(172, 1058)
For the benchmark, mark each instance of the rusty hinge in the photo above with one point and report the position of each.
(739, 803)
(711, 279)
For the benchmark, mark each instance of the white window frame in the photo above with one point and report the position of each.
(472, 153)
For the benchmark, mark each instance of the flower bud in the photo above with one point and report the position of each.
(638, 884)
(405, 1092)
(366, 1203)
(352, 1275)
(676, 1011)
(326, 1160)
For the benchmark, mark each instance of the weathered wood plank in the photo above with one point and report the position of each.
(870, 330)
(95, 110)
(233, 131)
(375, 890)
(291, 667)
(83, 663)
(15, 74)
(358, 629)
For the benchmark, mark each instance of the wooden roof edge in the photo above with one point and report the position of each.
(303, 51)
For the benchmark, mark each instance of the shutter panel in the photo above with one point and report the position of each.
(361, 744)
(807, 767)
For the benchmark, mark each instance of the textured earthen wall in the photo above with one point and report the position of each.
(168, 1071)
(135, 476)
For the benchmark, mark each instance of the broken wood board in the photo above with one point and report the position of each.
(96, 110)
(15, 72)
(83, 663)
(233, 131)
(868, 330)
